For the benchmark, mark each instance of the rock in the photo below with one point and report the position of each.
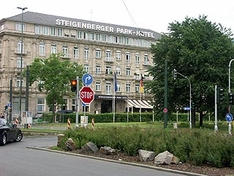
(107, 150)
(166, 158)
(70, 145)
(89, 147)
(60, 136)
(145, 155)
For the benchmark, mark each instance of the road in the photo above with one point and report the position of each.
(19, 159)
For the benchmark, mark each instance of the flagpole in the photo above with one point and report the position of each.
(140, 107)
(113, 100)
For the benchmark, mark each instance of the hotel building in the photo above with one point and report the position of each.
(101, 49)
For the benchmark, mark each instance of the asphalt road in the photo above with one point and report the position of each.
(20, 159)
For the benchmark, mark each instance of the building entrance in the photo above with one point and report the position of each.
(106, 106)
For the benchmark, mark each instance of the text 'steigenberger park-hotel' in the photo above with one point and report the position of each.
(101, 48)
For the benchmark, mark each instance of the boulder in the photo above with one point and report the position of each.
(166, 158)
(145, 155)
(70, 145)
(89, 147)
(107, 150)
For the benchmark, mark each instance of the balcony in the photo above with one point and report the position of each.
(109, 59)
(146, 64)
(66, 56)
(18, 52)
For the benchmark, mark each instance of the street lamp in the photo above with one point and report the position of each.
(229, 77)
(190, 96)
(21, 60)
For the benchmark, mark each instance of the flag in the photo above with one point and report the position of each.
(141, 85)
(115, 83)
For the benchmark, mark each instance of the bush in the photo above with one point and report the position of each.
(197, 146)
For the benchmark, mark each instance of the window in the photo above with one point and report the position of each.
(98, 69)
(137, 58)
(108, 88)
(65, 104)
(137, 76)
(86, 68)
(76, 52)
(126, 40)
(104, 37)
(128, 57)
(52, 31)
(79, 34)
(128, 71)
(108, 55)
(146, 59)
(98, 53)
(40, 104)
(60, 32)
(118, 70)
(121, 40)
(18, 64)
(98, 37)
(53, 49)
(38, 29)
(128, 87)
(73, 104)
(45, 30)
(108, 70)
(118, 55)
(65, 51)
(19, 26)
(98, 86)
(91, 36)
(41, 49)
(20, 46)
(18, 82)
(86, 53)
(137, 88)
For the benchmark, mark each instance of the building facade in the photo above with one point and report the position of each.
(102, 49)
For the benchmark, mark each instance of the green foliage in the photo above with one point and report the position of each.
(193, 146)
(52, 76)
(201, 51)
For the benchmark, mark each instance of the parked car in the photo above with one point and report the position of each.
(9, 132)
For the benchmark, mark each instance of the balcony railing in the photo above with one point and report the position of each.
(108, 59)
(18, 51)
(66, 56)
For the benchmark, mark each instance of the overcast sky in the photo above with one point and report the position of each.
(149, 14)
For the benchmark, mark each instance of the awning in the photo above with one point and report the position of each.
(144, 104)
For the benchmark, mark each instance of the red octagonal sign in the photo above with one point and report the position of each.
(86, 95)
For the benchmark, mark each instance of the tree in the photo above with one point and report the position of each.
(200, 50)
(53, 77)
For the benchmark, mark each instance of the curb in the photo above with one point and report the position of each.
(118, 161)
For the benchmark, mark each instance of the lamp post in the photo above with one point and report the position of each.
(190, 97)
(21, 60)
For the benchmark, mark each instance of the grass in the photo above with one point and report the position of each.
(60, 127)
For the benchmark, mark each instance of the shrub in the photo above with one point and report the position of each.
(197, 146)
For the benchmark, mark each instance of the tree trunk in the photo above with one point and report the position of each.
(201, 119)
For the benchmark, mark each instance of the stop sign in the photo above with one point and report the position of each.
(86, 95)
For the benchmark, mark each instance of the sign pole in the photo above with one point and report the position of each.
(216, 111)
(77, 101)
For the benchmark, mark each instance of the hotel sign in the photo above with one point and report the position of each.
(103, 27)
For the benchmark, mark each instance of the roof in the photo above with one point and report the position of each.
(50, 20)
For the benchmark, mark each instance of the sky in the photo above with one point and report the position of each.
(149, 14)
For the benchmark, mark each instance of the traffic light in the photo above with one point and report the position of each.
(221, 95)
(73, 85)
(231, 102)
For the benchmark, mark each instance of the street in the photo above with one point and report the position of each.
(19, 159)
